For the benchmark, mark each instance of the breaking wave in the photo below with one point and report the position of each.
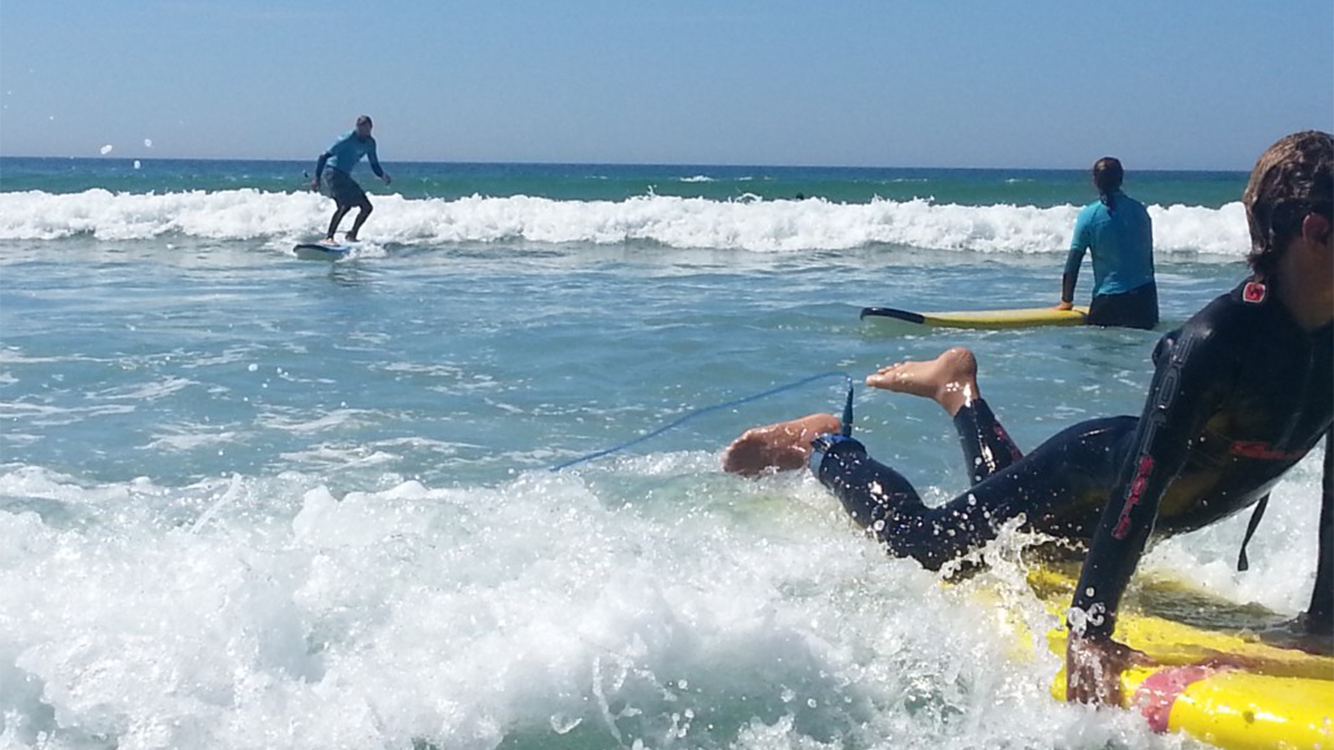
(750, 224)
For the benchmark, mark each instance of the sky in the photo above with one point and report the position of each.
(1162, 84)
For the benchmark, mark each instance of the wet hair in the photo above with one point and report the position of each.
(364, 120)
(1291, 180)
(1107, 177)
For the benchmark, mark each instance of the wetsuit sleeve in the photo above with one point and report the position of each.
(1078, 244)
(374, 160)
(1320, 615)
(328, 154)
(1181, 399)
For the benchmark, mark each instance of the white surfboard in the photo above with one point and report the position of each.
(320, 251)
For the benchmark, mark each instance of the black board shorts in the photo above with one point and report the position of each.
(1137, 308)
(343, 189)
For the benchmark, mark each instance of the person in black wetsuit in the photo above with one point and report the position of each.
(1241, 393)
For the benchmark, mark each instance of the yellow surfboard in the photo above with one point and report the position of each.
(1226, 685)
(986, 319)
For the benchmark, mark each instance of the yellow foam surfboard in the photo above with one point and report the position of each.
(985, 319)
(1225, 685)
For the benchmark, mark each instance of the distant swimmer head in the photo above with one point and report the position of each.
(1292, 180)
(1107, 177)
(364, 125)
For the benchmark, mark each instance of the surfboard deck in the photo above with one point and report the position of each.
(978, 319)
(1221, 674)
(320, 251)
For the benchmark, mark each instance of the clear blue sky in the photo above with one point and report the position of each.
(1190, 84)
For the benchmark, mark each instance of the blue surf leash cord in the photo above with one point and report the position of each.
(846, 430)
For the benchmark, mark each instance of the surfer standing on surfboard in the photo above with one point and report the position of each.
(1118, 233)
(1241, 393)
(341, 157)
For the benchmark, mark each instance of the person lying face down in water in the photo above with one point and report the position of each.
(1240, 394)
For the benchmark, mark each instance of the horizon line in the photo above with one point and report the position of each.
(142, 157)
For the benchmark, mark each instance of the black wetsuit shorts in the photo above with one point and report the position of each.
(345, 191)
(1137, 308)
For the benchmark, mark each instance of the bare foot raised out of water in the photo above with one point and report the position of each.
(950, 379)
(786, 445)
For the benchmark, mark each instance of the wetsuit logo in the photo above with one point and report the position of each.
(1079, 620)
(1132, 499)
(1262, 450)
(1005, 439)
(1165, 394)
(1254, 292)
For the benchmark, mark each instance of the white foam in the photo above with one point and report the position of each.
(182, 438)
(1282, 554)
(250, 612)
(332, 420)
(162, 388)
(745, 224)
(43, 415)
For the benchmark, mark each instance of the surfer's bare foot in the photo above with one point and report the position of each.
(786, 445)
(950, 379)
(328, 241)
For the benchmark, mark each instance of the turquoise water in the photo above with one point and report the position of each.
(253, 501)
(584, 182)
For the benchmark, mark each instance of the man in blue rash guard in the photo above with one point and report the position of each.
(1240, 394)
(347, 194)
(1118, 232)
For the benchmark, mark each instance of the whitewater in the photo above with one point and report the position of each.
(749, 223)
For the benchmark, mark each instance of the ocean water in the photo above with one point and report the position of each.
(250, 501)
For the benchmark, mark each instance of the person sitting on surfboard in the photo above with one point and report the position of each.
(341, 157)
(1118, 232)
(1241, 393)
